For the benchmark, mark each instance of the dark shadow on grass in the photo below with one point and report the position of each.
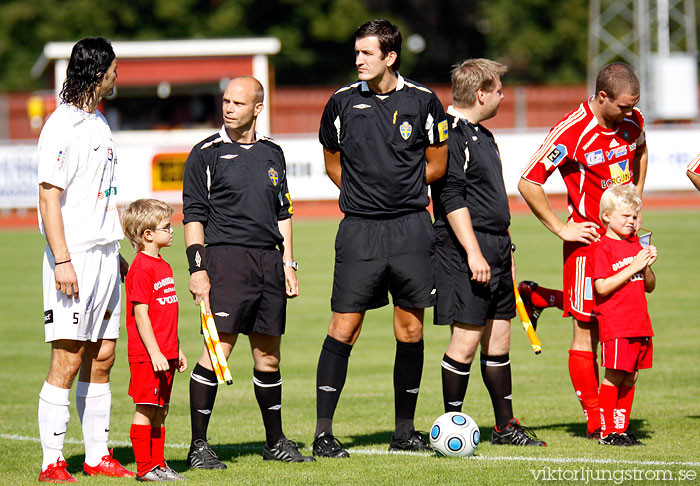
(364, 440)
(578, 429)
(75, 464)
(230, 452)
(178, 460)
(122, 454)
(487, 433)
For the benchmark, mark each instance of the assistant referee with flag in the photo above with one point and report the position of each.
(236, 202)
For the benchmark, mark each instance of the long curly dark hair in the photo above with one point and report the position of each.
(89, 62)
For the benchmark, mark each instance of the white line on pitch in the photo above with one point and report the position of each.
(122, 443)
(378, 452)
(542, 459)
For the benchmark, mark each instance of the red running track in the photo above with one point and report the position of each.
(309, 210)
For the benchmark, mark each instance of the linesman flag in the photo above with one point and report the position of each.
(527, 325)
(216, 354)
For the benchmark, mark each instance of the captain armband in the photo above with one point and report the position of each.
(196, 257)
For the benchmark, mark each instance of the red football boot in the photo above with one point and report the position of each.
(57, 473)
(108, 467)
(525, 289)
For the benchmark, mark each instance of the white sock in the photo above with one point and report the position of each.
(53, 422)
(94, 401)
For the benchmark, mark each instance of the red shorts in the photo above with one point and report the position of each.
(147, 387)
(627, 354)
(578, 284)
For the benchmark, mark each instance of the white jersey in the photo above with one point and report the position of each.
(76, 153)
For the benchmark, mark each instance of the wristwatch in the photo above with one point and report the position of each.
(292, 264)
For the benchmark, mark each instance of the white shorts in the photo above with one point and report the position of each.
(96, 312)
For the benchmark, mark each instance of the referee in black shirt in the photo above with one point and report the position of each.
(475, 267)
(383, 137)
(236, 201)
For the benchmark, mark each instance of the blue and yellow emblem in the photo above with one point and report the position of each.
(443, 131)
(274, 177)
(405, 129)
(620, 172)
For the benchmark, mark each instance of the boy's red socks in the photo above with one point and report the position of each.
(158, 446)
(141, 443)
(583, 370)
(625, 397)
(608, 401)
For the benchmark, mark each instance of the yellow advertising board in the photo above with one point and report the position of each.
(168, 170)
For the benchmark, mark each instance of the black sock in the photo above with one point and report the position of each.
(408, 370)
(330, 378)
(495, 370)
(268, 393)
(203, 387)
(455, 378)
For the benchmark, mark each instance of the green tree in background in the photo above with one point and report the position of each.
(540, 40)
(450, 29)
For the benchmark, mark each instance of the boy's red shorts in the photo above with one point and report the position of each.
(147, 387)
(627, 354)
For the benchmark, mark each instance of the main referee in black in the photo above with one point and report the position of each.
(236, 202)
(384, 139)
(475, 266)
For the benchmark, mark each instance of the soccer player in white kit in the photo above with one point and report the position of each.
(82, 266)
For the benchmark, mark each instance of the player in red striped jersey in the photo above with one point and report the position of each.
(694, 171)
(599, 145)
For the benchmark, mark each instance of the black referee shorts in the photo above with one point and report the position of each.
(247, 289)
(377, 256)
(460, 299)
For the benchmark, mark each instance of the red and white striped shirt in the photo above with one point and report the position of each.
(589, 157)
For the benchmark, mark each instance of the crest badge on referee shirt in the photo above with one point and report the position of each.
(274, 177)
(405, 129)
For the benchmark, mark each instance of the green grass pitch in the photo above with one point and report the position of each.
(666, 411)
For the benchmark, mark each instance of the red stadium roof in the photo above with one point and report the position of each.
(175, 50)
(145, 64)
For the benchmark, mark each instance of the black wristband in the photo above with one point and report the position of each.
(512, 247)
(196, 257)
(61, 263)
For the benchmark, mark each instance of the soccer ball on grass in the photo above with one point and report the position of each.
(454, 434)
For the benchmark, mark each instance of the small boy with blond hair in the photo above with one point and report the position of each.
(151, 322)
(622, 274)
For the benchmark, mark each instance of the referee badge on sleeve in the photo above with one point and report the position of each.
(443, 131)
(274, 177)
